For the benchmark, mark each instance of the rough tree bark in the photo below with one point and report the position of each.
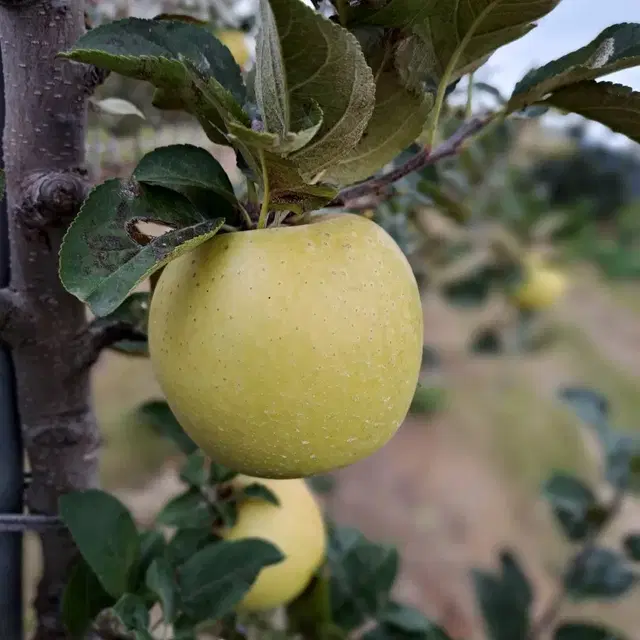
(45, 326)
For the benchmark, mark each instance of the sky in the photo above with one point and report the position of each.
(569, 26)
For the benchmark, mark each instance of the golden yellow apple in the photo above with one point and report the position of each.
(542, 287)
(296, 527)
(236, 42)
(289, 351)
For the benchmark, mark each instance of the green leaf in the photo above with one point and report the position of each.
(84, 598)
(158, 414)
(616, 48)
(161, 581)
(398, 119)
(599, 574)
(270, 86)
(226, 514)
(333, 74)
(321, 484)
(105, 535)
(259, 491)
(310, 613)
(274, 143)
(631, 544)
(573, 504)
(362, 574)
(447, 34)
(104, 256)
(623, 462)
(132, 611)
(189, 510)
(219, 474)
(289, 191)
(157, 51)
(613, 105)
(426, 400)
(134, 311)
(486, 341)
(216, 578)
(152, 545)
(472, 290)
(187, 542)
(190, 170)
(431, 359)
(585, 631)
(590, 406)
(310, 121)
(504, 599)
(194, 471)
(402, 618)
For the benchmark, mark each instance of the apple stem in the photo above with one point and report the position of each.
(264, 209)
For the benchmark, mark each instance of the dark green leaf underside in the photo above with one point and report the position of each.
(613, 105)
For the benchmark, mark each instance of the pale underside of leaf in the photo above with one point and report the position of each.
(272, 142)
(117, 107)
(324, 64)
(442, 25)
(288, 189)
(397, 121)
(616, 48)
(164, 54)
(270, 79)
(613, 105)
(308, 123)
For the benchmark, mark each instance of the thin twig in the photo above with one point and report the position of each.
(551, 612)
(264, 209)
(102, 333)
(375, 187)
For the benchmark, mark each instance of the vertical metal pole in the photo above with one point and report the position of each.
(11, 453)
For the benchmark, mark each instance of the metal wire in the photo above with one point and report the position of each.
(26, 522)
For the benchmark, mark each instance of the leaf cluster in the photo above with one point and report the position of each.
(182, 576)
(331, 100)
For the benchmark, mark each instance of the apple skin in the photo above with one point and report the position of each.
(542, 287)
(290, 351)
(236, 42)
(296, 526)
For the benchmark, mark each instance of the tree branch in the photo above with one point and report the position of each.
(50, 198)
(15, 323)
(99, 335)
(92, 77)
(370, 192)
(46, 181)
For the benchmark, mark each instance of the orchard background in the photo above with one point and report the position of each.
(461, 479)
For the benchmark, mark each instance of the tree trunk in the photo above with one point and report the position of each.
(46, 182)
